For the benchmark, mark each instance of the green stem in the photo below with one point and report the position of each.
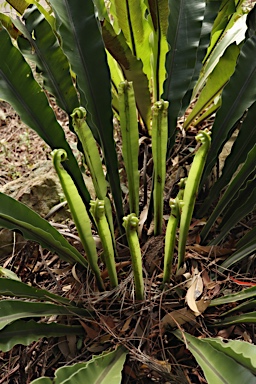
(93, 161)
(159, 148)
(191, 190)
(170, 237)
(79, 214)
(130, 137)
(131, 226)
(98, 212)
(91, 151)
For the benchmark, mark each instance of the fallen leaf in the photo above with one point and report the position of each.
(178, 317)
(195, 290)
(126, 325)
(207, 250)
(202, 304)
(91, 333)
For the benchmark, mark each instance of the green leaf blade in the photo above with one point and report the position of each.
(25, 332)
(15, 215)
(185, 23)
(11, 310)
(218, 367)
(18, 87)
(49, 58)
(238, 95)
(86, 54)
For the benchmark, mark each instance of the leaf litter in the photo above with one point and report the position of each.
(143, 328)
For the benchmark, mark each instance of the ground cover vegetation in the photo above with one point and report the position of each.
(154, 91)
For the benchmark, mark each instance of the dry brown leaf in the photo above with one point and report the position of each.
(178, 317)
(143, 218)
(205, 277)
(195, 290)
(104, 274)
(126, 325)
(96, 348)
(202, 304)
(67, 348)
(91, 333)
(74, 274)
(226, 332)
(214, 250)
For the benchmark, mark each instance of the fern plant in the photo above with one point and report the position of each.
(145, 63)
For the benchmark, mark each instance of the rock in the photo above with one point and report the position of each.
(40, 190)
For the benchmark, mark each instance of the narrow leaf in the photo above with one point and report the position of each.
(215, 83)
(158, 10)
(218, 367)
(11, 310)
(238, 319)
(86, 54)
(246, 170)
(210, 12)
(25, 332)
(40, 44)
(227, 16)
(234, 35)
(240, 254)
(238, 95)
(241, 351)
(101, 369)
(234, 297)
(244, 203)
(18, 87)
(15, 288)
(241, 147)
(249, 236)
(17, 216)
(18, 5)
(131, 67)
(136, 29)
(185, 23)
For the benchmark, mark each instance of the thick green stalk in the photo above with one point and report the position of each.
(159, 148)
(170, 237)
(190, 192)
(98, 212)
(79, 214)
(93, 161)
(91, 151)
(130, 137)
(131, 226)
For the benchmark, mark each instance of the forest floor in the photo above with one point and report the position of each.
(155, 355)
(144, 329)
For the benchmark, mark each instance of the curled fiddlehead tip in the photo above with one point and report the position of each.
(97, 208)
(79, 113)
(131, 222)
(160, 106)
(124, 86)
(58, 156)
(176, 206)
(204, 137)
(182, 183)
